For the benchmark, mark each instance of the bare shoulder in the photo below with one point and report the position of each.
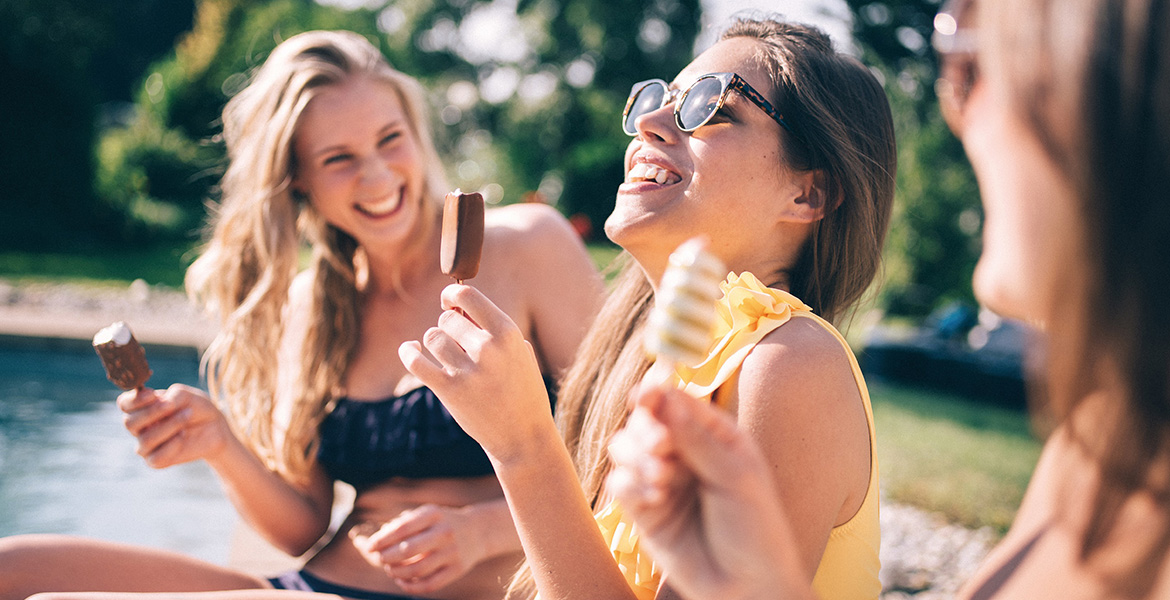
(534, 241)
(799, 355)
(527, 225)
(798, 381)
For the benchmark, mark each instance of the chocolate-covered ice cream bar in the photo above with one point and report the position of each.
(462, 241)
(122, 356)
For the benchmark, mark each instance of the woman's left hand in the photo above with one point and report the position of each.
(425, 548)
(484, 371)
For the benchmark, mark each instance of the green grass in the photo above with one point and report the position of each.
(160, 264)
(969, 461)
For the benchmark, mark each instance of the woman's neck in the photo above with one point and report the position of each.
(406, 267)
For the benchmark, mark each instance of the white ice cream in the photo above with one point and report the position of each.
(118, 333)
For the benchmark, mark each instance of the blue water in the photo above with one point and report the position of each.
(67, 465)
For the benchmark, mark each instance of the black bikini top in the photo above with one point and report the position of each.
(412, 435)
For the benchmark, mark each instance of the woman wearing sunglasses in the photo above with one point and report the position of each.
(1064, 110)
(780, 152)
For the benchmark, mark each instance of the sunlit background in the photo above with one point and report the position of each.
(109, 156)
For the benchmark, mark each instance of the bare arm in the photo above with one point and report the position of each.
(562, 289)
(483, 355)
(796, 397)
(291, 515)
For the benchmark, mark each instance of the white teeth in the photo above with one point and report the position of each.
(648, 172)
(382, 207)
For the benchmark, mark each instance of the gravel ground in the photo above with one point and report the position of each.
(923, 557)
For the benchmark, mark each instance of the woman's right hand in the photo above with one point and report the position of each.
(702, 496)
(484, 371)
(174, 426)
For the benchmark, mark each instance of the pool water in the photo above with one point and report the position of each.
(67, 465)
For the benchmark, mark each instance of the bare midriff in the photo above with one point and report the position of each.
(340, 562)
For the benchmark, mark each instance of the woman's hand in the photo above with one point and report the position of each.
(484, 371)
(174, 426)
(425, 548)
(702, 496)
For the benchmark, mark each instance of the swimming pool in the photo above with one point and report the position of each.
(68, 466)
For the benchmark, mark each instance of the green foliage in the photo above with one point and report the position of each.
(551, 133)
(159, 179)
(550, 91)
(59, 77)
(935, 233)
(161, 170)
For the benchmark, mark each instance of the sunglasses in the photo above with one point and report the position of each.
(954, 41)
(694, 106)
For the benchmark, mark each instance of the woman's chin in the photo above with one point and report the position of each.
(999, 293)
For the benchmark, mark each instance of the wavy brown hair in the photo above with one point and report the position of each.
(1092, 80)
(841, 125)
(256, 234)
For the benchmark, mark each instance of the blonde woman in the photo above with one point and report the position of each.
(1064, 110)
(781, 152)
(330, 147)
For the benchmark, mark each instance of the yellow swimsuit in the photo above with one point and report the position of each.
(747, 312)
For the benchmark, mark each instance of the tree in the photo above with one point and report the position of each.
(534, 111)
(58, 68)
(528, 96)
(934, 237)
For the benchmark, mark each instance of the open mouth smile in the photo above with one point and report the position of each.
(381, 208)
(646, 172)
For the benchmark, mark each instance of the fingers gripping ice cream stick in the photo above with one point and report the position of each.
(462, 241)
(680, 325)
(122, 356)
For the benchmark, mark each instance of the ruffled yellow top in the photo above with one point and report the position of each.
(746, 313)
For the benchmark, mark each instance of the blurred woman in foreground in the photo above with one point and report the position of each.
(1064, 110)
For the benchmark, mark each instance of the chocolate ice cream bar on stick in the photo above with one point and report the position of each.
(122, 356)
(680, 327)
(462, 241)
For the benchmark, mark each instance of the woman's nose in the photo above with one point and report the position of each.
(658, 124)
(375, 170)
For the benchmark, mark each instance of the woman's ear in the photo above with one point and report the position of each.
(813, 201)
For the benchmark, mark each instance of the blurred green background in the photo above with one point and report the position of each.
(109, 153)
(109, 137)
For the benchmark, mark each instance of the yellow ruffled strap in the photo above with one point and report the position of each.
(635, 564)
(747, 312)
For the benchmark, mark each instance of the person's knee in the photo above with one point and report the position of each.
(21, 557)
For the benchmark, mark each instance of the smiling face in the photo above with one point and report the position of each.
(358, 162)
(726, 179)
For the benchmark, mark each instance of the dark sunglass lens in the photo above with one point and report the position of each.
(700, 103)
(647, 99)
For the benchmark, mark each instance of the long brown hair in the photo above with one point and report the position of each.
(842, 125)
(257, 231)
(1092, 80)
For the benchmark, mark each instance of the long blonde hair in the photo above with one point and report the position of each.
(256, 233)
(842, 125)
